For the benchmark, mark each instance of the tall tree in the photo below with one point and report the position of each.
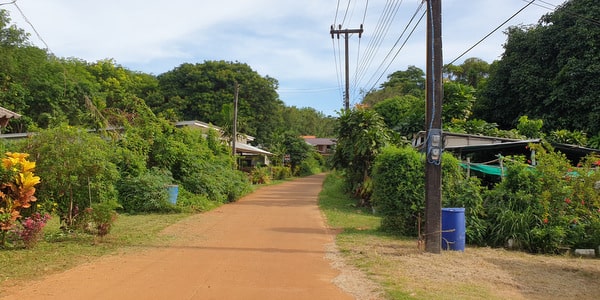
(201, 90)
(473, 71)
(307, 121)
(549, 71)
(361, 134)
(400, 83)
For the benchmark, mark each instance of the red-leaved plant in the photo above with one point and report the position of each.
(30, 229)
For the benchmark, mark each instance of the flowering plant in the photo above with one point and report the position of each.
(17, 189)
(30, 229)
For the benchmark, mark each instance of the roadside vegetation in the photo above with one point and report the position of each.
(100, 142)
(406, 272)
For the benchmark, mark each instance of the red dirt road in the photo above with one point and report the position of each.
(269, 245)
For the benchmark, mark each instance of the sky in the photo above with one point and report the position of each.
(284, 39)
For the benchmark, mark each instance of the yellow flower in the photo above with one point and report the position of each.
(28, 180)
(27, 166)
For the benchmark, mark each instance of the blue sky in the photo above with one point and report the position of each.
(287, 40)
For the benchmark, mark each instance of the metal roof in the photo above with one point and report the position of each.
(248, 149)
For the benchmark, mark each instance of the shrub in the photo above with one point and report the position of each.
(309, 166)
(76, 167)
(146, 193)
(260, 175)
(29, 230)
(547, 208)
(399, 192)
(398, 185)
(103, 215)
(17, 189)
(194, 202)
(281, 172)
(199, 169)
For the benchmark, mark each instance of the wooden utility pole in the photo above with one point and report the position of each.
(346, 32)
(433, 126)
(235, 113)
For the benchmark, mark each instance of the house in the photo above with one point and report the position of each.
(325, 146)
(248, 155)
(482, 152)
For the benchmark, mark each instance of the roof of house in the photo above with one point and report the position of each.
(468, 143)
(241, 146)
(249, 149)
(5, 113)
(320, 141)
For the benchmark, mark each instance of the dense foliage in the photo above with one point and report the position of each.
(362, 134)
(399, 192)
(77, 169)
(548, 208)
(549, 71)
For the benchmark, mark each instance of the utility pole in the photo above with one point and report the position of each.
(235, 113)
(433, 126)
(346, 32)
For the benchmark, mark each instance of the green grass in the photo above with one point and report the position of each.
(59, 251)
(342, 212)
(404, 271)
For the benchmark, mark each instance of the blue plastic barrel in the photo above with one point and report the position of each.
(453, 229)
(173, 190)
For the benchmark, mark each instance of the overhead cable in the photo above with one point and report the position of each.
(492, 32)
(31, 24)
(416, 13)
(381, 30)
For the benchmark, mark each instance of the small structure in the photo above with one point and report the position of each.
(6, 115)
(325, 146)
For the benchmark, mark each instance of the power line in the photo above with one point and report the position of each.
(337, 9)
(496, 29)
(346, 13)
(337, 68)
(301, 91)
(419, 8)
(585, 18)
(381, 30)
(30, 24)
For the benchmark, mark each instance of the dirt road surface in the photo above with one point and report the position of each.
(272, 244)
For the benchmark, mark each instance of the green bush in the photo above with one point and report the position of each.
(398, 189)
(281, 172)
(103, 215)
(146, 193)
(194, 202)
(545, 209)
(309, 166)
(260, 175)
(198, 167)
(76, 167)
(399, 192)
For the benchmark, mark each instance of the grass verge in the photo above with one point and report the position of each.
(405, 272)
(61, 251)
